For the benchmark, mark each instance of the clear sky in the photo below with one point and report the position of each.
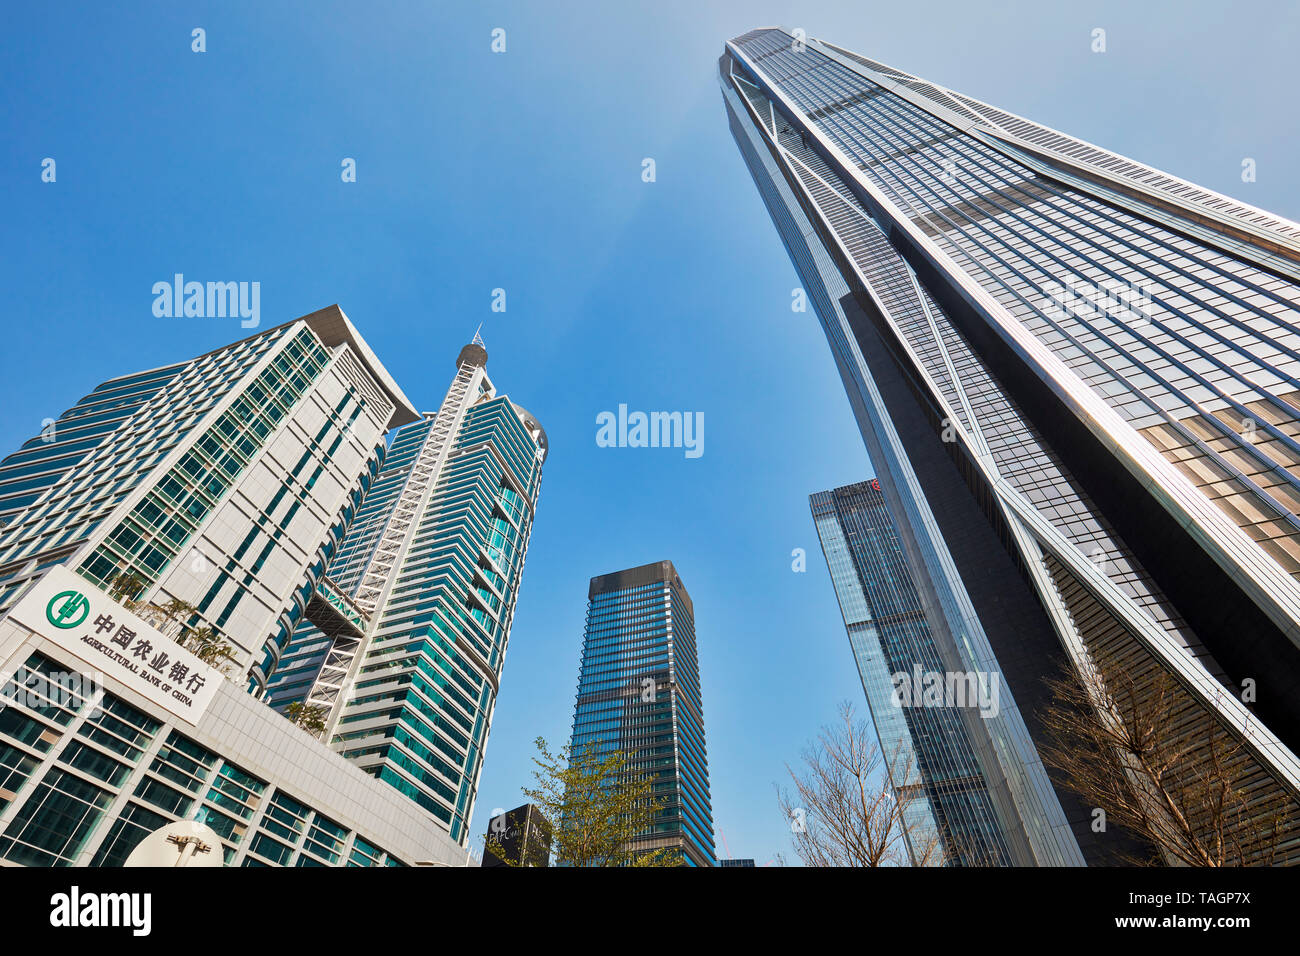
(522, 171)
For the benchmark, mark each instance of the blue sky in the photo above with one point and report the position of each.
(522, 171)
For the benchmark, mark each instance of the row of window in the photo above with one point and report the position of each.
(61, 812)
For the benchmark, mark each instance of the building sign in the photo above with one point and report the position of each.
(69, 611)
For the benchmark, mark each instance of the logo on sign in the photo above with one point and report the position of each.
(67, 609)
(63, 608)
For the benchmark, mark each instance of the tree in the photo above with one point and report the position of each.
(126, 587)
(207, 645)
(596, 806)
(1170, 775)
(172, 617)
(844, 811)
(310, 717)
(494, 846)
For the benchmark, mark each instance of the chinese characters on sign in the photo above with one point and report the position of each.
(69, 611)
(151, 664)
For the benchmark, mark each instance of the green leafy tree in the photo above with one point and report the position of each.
(207, 645)
(310, 717)
(172, 618)
(596, 807)
(126, 586)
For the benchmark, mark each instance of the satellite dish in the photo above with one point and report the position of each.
(183, 843)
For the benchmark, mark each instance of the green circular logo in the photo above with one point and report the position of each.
(67, 609)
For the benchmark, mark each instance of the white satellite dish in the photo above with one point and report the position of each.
(183, 843)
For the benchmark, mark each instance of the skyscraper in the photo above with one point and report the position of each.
(225, 481)
(63, 442)
(1079, 381)
(949, 815)
(639, 692)
(203, 496)
(406, 665)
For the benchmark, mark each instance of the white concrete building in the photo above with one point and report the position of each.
(225, 482)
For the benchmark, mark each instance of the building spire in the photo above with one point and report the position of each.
(476, 352)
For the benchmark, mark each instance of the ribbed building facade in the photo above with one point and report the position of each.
(948, 817)
(226, 481)
(67, 440)
(639, 693)
(1077, 379)
(404, 664)
(218, 488)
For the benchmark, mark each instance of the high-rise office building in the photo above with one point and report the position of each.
(405, 673)
(639, 693)
(741, 863)
(523, 836)
(225, 482)
(217, 488)
(1079, 381)
(67, 440)
(948, 815)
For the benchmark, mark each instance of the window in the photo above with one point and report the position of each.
(55, 822)
(127, 831)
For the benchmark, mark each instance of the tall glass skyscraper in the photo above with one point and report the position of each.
(639, 692)
(225, 482)
(949, 817)
(404, 659)
(1079, 381)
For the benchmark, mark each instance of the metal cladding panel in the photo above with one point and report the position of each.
(989, 279)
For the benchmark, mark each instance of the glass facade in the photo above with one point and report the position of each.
(158, 527)
(431, 567)
(116, 777)
(1106, 354)
(948, 815)
(228, 483)
(125, 456)
(225, 482)
(639, 693)
(64, 443)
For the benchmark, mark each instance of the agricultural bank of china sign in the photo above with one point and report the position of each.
(69, 611)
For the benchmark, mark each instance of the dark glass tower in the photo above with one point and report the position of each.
(639, 692)
(949, 815)
(1078, 379)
